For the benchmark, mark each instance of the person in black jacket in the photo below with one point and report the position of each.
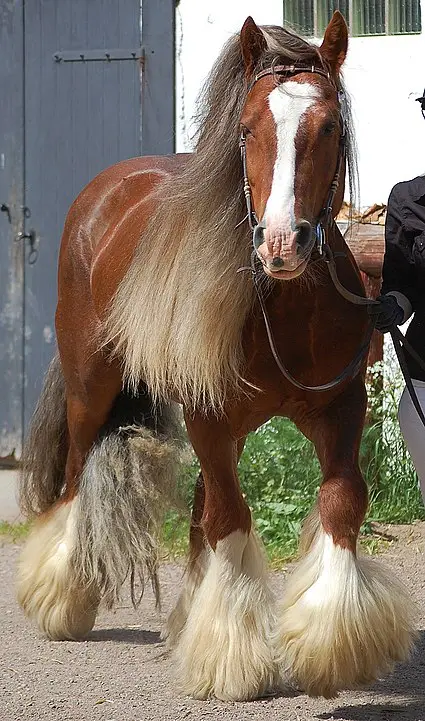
(403, 295)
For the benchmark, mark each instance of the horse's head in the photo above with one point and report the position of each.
(291, 133)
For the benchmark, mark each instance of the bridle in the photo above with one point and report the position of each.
(323, 223)
(325, 216)
(324, 220)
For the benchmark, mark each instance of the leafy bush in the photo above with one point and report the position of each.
(280, 475)
(392, 480)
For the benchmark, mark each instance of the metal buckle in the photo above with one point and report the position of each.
(258, 233)
(320, 238)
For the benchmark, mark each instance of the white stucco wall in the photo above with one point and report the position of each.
(202, 28)
(383, 76)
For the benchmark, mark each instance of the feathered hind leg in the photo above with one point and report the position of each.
(344, 619)
(102, 527)
(194, 572)
(51, 590)
(51, 587)
(84, 549)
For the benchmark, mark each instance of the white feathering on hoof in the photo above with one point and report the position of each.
(344, 621)
(178, 616)
(49, 588)
(223, 649)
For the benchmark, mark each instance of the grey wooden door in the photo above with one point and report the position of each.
(80, 103)
(11, 202)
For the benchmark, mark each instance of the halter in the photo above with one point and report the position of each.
(325, 216)
(323, 221)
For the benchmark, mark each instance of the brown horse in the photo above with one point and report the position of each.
(152, 311)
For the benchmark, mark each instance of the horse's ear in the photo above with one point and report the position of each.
(335, 43)
(253, 44)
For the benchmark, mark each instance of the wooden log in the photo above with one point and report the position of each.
(367, 244)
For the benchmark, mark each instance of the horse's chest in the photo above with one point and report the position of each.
(314, 335)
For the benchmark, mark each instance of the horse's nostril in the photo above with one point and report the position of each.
(303, 235)
(277, 263)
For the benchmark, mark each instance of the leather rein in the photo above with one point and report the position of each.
(324, 222)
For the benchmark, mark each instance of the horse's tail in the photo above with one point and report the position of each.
(45, 450)
(127, 483)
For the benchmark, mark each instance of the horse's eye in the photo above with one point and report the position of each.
(328, 128)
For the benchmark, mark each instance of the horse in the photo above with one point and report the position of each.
(157, 311)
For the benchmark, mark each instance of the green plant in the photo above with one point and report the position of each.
(14, 531)
(280, 476)
(393, 483)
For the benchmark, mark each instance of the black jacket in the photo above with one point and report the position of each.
(404, 261)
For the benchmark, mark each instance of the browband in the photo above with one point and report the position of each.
(291, 70)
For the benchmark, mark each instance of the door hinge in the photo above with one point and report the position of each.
(106, 56)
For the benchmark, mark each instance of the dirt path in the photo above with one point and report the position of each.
(122, 673)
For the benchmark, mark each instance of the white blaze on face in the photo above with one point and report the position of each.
(288, 103)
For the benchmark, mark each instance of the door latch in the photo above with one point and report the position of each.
(5, 209)
(32, 238)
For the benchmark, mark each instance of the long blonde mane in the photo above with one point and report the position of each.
(177, 318)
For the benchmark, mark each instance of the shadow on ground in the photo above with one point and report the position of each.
(406, 685)
(135, 636)
(406, 711)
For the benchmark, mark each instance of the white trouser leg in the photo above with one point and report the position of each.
(413, 430)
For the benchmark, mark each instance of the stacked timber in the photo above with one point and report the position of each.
(365, 238)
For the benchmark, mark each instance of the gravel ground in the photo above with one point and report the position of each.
(121, 673)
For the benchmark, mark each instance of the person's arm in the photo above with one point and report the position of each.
(398, 278)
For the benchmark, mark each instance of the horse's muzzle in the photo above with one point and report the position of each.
(284, 252)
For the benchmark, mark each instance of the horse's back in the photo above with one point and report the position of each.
(120, 187)
(106, 222)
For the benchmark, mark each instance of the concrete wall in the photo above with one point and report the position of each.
(383, 76)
